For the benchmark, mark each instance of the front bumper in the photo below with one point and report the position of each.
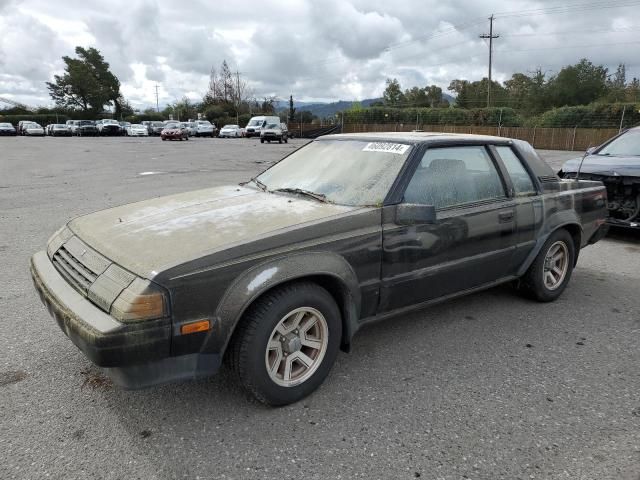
(104, 340)
(616, 222)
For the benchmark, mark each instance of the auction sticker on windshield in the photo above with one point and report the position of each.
(386, 147)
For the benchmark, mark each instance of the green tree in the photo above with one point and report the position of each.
(87, 83)
(433, 95)
(632, 92)
(617, 84)
(393, 95)
(292, 110)
(578, 84)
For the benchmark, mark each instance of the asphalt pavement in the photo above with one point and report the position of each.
(489, 386)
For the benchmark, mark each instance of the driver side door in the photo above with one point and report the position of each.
(471, 241)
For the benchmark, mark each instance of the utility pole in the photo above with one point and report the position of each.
(490, 36)
(157, 103)
(237, 97)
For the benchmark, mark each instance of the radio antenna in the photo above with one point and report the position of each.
(580, 166)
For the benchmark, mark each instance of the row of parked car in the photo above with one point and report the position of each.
(268, 128)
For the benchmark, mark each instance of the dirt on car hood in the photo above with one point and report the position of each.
(146, 236)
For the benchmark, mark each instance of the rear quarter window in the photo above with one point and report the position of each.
(522, 183)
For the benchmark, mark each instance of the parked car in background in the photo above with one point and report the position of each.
(277, 275)
(73, 126)
(137, 130)
(108, 127)
(174, 131)
(86, 128)
(6, 129)
(616, 163)
(274, 132)
(155, 128)
(189, 127)
(255, 124)
(59, 130)
(123, 127)
(204, 128)
(229, 131)
(22, 125)
(32, 129)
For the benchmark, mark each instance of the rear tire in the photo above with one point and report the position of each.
(286, 343)
(551, 270)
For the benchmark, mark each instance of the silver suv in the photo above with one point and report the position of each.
(274, 131)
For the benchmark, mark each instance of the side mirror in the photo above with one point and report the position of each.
(590, 150)
(415, 214)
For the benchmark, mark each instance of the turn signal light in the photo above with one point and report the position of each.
(195, 327)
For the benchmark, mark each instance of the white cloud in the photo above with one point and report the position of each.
(335, 49)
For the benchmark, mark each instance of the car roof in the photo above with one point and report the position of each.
(416, 137)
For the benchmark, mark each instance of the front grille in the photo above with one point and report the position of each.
(79, 264)
(79, 276)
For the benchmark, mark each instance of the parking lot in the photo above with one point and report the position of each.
(488, 386)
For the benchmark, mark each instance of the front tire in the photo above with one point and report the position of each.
(550, 272)
(286, 343)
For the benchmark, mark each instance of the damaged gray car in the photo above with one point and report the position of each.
(275, 276)
(616, 163)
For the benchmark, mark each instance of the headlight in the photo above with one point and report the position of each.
(57, 239)
(141, 300)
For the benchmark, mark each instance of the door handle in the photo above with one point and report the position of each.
(505, 217)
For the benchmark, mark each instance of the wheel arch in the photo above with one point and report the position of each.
(328, 270)
(566, 220)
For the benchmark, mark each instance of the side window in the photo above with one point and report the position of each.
(522, 183)
(454, 176)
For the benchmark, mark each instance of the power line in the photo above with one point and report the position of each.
(490, 36)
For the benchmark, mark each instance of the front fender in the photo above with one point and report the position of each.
(251, 284)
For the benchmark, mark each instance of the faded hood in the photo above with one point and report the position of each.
(145, 236)
(605, 165)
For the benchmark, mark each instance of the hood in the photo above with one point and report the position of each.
(146, 236)
(627, 166)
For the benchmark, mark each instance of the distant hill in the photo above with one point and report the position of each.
(324, 110)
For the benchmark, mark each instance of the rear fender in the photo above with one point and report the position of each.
(563, 219)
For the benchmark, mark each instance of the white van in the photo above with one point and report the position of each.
(256, 123)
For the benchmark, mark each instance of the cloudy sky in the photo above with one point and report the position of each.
(315, 50)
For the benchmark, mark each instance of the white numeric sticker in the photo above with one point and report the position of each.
(386, 147)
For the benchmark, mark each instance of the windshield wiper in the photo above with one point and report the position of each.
(318, 196)
(260, 185)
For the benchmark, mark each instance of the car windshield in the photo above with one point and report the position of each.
(158, 124)
(110, 122)
(230, 127)
(254, 123)
(206, 124)
(136, 125)
(172, 125)
(626, 144)
(86, 122)
(346, 172)
(5, 125)
(272, 125)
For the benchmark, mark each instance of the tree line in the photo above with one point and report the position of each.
(584, 95)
